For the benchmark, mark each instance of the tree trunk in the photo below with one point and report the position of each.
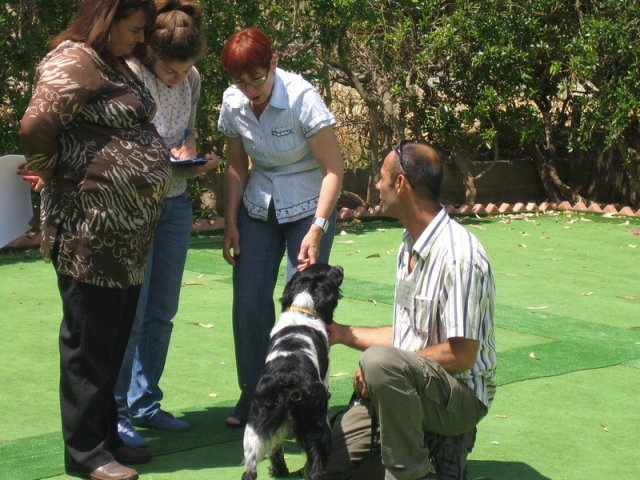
(557, 190)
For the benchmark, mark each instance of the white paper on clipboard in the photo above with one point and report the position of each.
(15, 200)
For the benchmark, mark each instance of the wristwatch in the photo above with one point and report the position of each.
(323, 223)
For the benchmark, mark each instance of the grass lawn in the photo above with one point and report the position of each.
(567, 330)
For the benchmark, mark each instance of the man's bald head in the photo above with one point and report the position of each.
(422, 166)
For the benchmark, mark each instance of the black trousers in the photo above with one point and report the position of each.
(94, 333)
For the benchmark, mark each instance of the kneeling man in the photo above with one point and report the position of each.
(426, 381)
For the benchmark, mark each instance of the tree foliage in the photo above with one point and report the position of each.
(552, 80)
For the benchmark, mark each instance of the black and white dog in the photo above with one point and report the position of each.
(291, 398)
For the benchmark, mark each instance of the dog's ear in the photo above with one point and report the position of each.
(317, 397)
(326, 292)
(268, 391)
(337, 274)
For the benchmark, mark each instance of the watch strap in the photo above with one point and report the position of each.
(323, 223)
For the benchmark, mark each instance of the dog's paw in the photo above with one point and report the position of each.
(298, 473)
(278, 466)
(249, 475)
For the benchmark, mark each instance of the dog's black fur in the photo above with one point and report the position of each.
(291, 398)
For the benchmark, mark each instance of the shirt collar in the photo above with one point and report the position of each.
(425, 241)
(279, 97)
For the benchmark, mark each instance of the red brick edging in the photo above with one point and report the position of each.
(346, 214)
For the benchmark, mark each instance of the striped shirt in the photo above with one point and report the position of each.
(283, 166)
(449, 293)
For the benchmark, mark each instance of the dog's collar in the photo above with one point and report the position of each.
(308, 311)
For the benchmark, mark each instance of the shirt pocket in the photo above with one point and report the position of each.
(421, 316)
(284, 138)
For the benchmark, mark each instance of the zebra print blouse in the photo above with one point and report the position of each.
(90, 127)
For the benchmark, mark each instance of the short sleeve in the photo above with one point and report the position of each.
(314, 114)
(194, 82)
(225, 120)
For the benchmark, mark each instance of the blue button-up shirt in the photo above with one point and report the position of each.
(283, 166)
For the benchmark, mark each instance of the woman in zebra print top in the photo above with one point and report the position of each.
(87, 132)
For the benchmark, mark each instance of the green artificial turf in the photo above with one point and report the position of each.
(567, 329)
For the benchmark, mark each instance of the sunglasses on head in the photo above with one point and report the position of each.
(398, 151)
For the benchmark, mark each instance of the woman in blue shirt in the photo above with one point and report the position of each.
(282, 178)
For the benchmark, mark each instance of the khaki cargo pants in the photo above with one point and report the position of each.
(423, 413)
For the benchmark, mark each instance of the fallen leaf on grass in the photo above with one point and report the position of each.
(633, 298)
(522, 245)
(213, 395)
(586, 294)
(190, 283)
(339, 374)
(373, 255)
(582, 219)
(203, 325)
(541, 307)
(510, 274)
(631, 245)
(533, 355)
(501, 416)
(345, 241)
(381, 229)
(525, 234)
(604, 427)
(373, 301)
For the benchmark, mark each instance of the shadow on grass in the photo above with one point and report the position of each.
(495, 470)
(10, 256)
(210, 444)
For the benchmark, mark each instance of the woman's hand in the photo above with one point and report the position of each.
(37, 182)
(231, 244)
(310, 247)
(212, 162)
(186, 151)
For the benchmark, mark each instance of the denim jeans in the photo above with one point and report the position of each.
(262, 246)
(137, 392)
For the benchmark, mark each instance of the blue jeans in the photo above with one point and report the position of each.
(137, 392)
(262, 246)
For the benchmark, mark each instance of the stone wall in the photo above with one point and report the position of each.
(509, 181)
